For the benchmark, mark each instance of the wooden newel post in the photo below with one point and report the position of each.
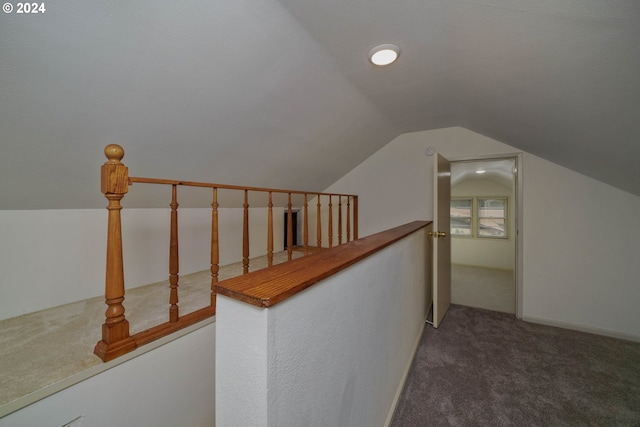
(115, 330)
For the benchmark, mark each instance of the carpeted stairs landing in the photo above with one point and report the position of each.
(484, 368)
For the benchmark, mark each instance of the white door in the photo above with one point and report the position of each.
(441, 238)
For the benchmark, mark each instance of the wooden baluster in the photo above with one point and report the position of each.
(270, 231)
(115, 330)
(215, 246)
(306, 225)
(245, 234)
(319, 225)
(348, 219)
(339, 220)
(289, 230)
(330, 231)
(173, 258)
(355, 217)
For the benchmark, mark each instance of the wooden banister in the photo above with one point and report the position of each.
(136, 179)
(115, 180)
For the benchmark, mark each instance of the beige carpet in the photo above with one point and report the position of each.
(43, 348)
(487, 288)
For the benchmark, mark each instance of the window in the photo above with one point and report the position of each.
(461, 210)
(492, 217)
(481, 217)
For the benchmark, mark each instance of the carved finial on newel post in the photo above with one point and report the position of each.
(115, 330)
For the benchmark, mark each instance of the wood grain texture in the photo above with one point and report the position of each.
(115, 330)
(134, 179)
(267, 287)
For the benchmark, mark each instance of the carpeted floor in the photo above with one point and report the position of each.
(484, 368)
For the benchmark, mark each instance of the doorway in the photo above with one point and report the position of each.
(484, 233)
(294, 231)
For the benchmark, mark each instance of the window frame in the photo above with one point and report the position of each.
(465, 236)
(476, 218)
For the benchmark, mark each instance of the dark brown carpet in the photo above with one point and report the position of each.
(484, 368)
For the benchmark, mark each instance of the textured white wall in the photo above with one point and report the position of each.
(580, 240)
(242, 365)
(173, 385)
(54, 257)
(333, 355)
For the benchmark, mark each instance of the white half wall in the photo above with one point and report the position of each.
(580, 236)
(335, 354)
(54, 257)
(173, 385)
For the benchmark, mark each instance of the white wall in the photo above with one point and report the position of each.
(491, 253)
(173, 385)
(54, 257)
(581, 239)
(333, 355)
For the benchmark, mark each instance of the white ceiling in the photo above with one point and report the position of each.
(500, 171)
(280, 93)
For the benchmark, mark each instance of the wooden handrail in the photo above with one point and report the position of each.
(133, 179)
(265, 288)
(115, 181)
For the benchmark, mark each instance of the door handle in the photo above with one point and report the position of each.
(437, 234)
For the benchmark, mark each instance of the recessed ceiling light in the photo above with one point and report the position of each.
(480, 171)
(384, 54)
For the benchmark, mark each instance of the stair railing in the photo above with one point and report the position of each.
(115, 181)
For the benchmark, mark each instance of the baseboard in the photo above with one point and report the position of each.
(407, 368)
(484, 267)
(582, 328)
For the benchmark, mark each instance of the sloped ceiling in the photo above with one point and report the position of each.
(280, 93)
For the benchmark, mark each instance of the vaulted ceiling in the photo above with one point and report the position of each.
(281, 94)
